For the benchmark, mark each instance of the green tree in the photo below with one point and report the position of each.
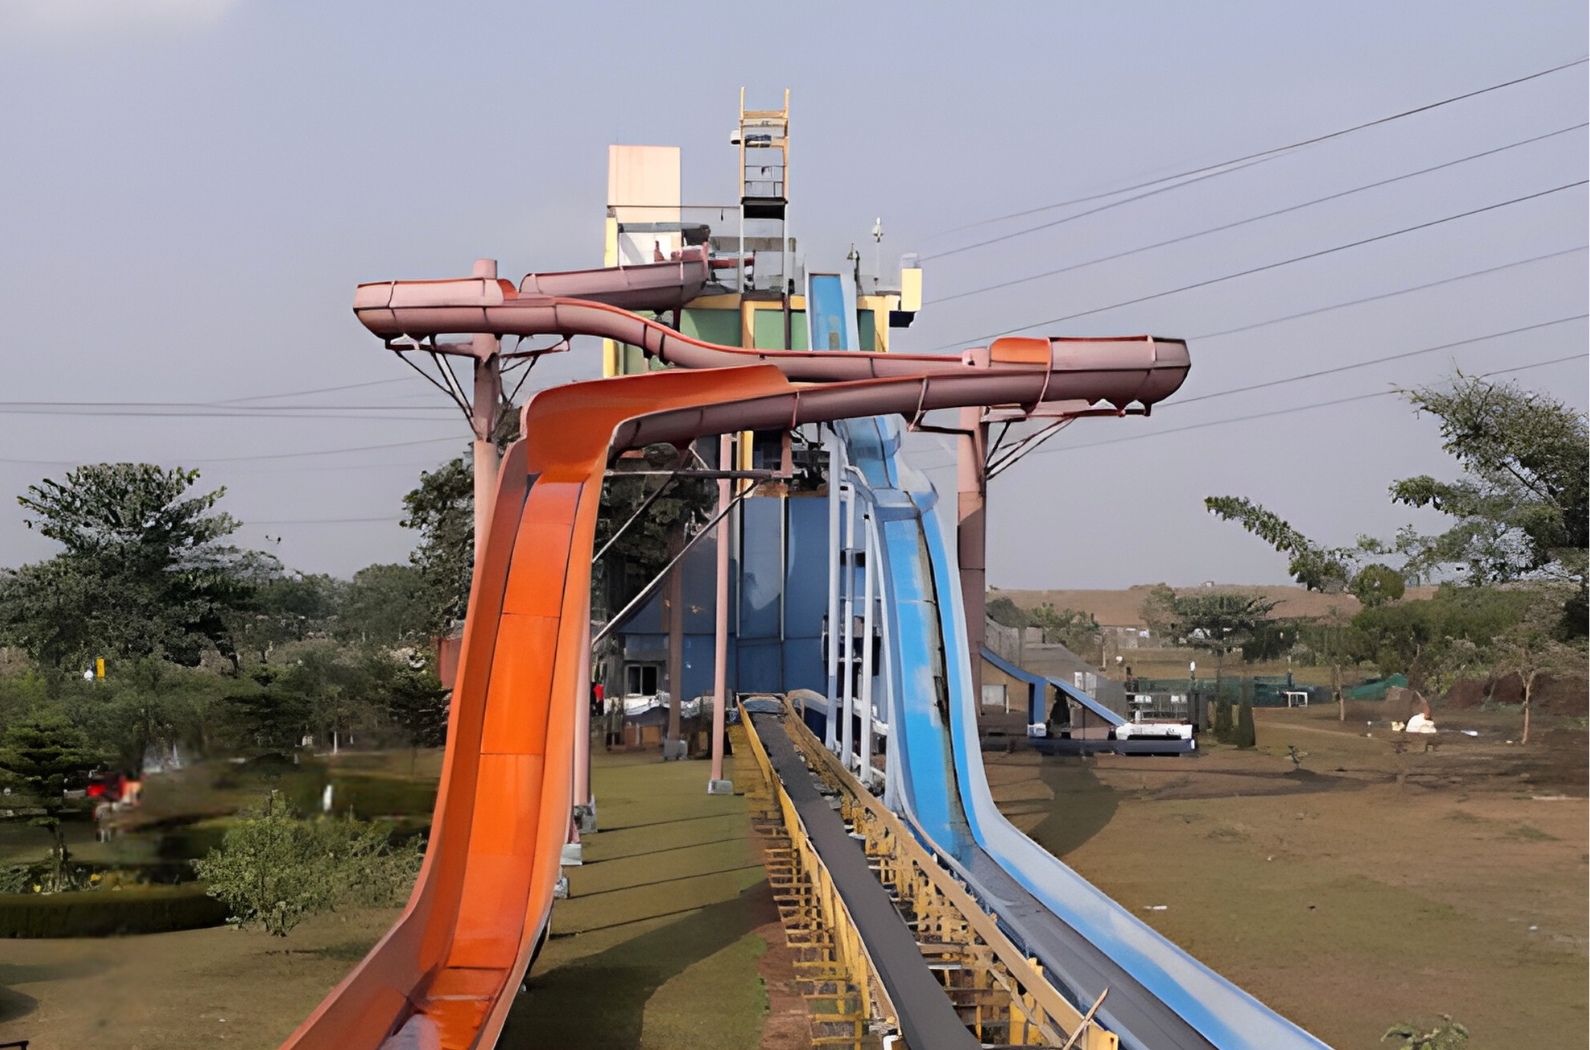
(287, 607)
(1434, 642)
(1533, 647)
(1330, 570)
(1521, 509)
(1007, 613)
(1221, 622)
(1077, 631)
(442, 510)
(263, 714)
(44, 756)
(651, 541)
(385, 605)
(414, 700)
(143, 570)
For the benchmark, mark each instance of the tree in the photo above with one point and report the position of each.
(1330, 570)
(143, 571)
(384, 605)
(1077, 631)
(442, 510)
(44, 756)
(1246, 737)
(286, 607)
(650, 542)
(1219, 621)
(1522, 506)
(1006, 613)
(1532, 647)
(1437, 641)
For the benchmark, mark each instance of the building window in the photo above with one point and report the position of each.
(642, 679)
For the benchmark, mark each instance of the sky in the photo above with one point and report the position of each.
(193, 189)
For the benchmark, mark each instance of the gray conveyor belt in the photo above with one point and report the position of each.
(927, 1017)
(1079, 966)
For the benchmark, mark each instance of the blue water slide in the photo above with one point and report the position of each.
(1159, 995)
(1221, 1014)
(1036, 685)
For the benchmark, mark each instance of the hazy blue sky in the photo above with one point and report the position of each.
(193, 188)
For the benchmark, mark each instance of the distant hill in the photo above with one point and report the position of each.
(1123, 608)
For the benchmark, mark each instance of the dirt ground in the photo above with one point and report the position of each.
(1360, 889)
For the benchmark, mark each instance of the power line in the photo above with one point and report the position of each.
(1389, 295)
(1262, 154)
(318, 390)
(248, 458)
(322, 521)
(261, 411)
(1084, 214)
(1289, 411)
(1272, 266)
(328, 451)
(1375, 361)
(154, 413)
(1254, 218)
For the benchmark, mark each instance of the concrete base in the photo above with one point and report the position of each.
(560, 889)
(720, 787)
(573, 855)
(674, 750)
(585, 819)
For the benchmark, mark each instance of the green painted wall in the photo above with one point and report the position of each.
(711, 326)
(770, 329)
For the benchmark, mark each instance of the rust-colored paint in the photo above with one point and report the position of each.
(1020, 350)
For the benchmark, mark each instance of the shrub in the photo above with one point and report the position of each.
(274, 868)
(1448, 1035)
(105, 913)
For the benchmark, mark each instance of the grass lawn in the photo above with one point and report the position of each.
(663, 942)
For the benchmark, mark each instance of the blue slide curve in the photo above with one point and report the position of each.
(1159, 995)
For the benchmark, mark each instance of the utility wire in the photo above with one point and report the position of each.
(1374, 361)
(320, 521)
(1262, 154)
(1254, 218)
(240, 411)
(1084, 214)
(1272, 266)
(1389, 295)
(318, 390)
(1290, 411)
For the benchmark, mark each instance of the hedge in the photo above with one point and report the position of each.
(105, 913)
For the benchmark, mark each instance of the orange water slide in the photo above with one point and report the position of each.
(443, 976)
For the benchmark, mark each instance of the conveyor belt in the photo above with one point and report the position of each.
(927, 1017)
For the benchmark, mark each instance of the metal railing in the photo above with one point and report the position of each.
(1001, 994)
(846, 1002)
